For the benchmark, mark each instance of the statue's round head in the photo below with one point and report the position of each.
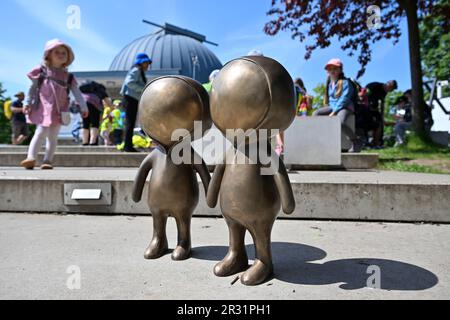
(172, 103)
(253, 92)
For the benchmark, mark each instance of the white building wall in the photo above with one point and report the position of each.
(441, 120)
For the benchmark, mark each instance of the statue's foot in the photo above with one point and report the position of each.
(181, 253)
(231, 264)
(156, 249)
(257, 274)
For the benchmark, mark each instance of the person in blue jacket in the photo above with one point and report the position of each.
(339, 98)
(132, 89)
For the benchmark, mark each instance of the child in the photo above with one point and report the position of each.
(107, 125)
(119, 115)
(338, 100)
(111, 129)
(48, 100)
(304, 101)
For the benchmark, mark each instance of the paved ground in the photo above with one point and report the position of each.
(313, 260)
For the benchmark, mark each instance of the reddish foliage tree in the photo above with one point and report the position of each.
(321, 21)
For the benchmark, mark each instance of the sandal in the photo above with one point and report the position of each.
(46, 166)
(28, 164)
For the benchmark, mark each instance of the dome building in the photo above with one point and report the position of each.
(174, 51)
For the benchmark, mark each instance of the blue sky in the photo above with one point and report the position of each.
(107, 26)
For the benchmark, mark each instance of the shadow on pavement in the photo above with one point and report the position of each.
(293, 264)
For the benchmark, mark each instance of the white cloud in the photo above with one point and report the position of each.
(54, 16)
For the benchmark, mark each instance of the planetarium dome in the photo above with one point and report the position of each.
(173, 50)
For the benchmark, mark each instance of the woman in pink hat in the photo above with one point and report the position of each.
(48, 101)
(339, 99)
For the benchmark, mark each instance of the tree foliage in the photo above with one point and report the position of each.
(2, 92)
(319, 94)
(321, 21)
(5, 124)
(435, 43)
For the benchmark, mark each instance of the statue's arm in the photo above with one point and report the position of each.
(202, 170)
(285, 189)
(214, 187)
(141, 177)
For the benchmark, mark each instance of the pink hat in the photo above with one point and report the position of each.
(52, 44)
(335, 63)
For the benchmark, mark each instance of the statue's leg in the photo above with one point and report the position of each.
(158, 246)
(183, 249)
(236, 260)
(262, 268)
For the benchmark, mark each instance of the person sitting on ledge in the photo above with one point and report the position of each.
(339, 97)
(403, 118)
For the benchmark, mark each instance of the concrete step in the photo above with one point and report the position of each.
(374, 196)
(112, 159)
(350, 161)
(60, 149)
(67, 142)
(80, 159)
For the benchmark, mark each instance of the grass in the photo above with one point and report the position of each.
(416, 156)
(400, 166)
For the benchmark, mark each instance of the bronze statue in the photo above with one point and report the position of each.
(251, 93)
(167, 104)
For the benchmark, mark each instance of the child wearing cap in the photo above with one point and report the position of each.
(48, 100)
(339, 97)
(110, 124)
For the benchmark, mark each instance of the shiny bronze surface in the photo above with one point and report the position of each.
(168, 104)
(251, 93)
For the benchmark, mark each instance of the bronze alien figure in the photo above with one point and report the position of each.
(167, 104)
(251, 93)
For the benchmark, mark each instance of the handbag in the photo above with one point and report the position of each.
(66, 119)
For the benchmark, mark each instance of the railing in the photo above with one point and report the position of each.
(434, 97)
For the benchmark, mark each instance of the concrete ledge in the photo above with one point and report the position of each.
(359, 161)
(314, 141)
(350, 161)
(60, 149)
(80, 159)
(379, 196)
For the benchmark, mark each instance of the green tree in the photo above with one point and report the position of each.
(321, 21)
(5, 124)
(319, 94)
(2, 92)
(390, 102)
(435, 44)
